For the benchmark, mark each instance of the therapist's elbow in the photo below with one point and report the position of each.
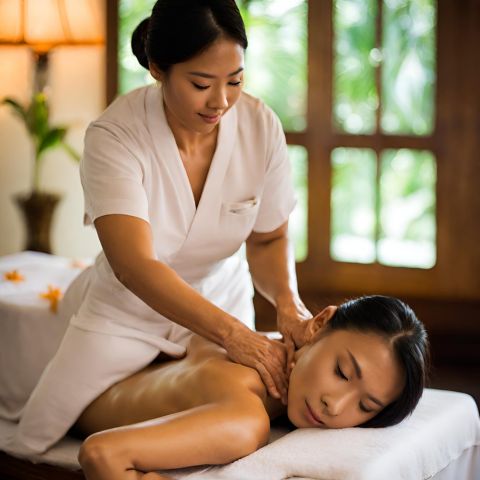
(129, 274)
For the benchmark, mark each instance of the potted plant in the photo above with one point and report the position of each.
(38, 206)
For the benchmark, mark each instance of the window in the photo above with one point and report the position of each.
(383, 202)
(372, 145)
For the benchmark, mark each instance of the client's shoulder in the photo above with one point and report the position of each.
(211, 366)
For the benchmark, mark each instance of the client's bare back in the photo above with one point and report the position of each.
(203, 376)
(202, 409)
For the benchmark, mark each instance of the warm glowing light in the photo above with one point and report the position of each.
(44, 24)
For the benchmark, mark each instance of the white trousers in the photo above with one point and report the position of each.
(86, 364)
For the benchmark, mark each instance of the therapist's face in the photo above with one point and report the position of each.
(199, 91)
(327, 390)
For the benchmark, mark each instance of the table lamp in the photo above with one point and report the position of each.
(45, 24)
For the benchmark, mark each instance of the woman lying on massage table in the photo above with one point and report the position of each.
(365, 367)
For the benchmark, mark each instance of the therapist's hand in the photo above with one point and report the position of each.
(267, 357)
(297, 327)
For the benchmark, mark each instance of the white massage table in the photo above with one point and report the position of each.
(440, 441)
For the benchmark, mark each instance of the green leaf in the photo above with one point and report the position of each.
(43, 135)
(71, 151)
(17, 108)
(51, 139)
(37, 116)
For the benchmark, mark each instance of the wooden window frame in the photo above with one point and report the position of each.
(455, 142)
(320, 139)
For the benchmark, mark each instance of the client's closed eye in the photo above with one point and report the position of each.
(364, 409)
(339, 373)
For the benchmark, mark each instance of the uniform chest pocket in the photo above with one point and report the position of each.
(236, 223)
(246, 208)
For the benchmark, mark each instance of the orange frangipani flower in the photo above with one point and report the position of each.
(13, 276)
(53, 295)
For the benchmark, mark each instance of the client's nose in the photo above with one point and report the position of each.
(335, 404)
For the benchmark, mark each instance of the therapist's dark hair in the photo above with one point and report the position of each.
(177, 30)
(394, 321)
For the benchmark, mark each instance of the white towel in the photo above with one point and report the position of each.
(442, 427)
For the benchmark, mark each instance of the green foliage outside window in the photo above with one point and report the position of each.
(131, 73)
(297, 223)
(276, 58)
(405, 55)
(353, 197)
(408, 73)
(355, 98)
(386, 217)
(407, 208)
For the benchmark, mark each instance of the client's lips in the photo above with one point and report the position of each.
(313, 419)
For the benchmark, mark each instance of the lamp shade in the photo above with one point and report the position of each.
(43, 24)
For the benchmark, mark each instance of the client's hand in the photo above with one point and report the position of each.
(266, 356)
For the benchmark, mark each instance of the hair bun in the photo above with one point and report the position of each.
(139, 38)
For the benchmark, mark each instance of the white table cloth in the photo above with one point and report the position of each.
(29, 331)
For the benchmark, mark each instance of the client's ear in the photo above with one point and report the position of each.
(321, 319)
(315, 328)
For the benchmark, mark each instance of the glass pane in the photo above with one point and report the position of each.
(276, 57)
(297, 225)
(408, 72)
(407, 213)
(130, 73)
(353, 205)
(355, 98)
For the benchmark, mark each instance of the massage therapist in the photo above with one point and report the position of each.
(177, 176)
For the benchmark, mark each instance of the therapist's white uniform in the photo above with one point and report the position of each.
(132, 166)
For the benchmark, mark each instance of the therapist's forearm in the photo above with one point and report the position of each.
(162, 289)
(272, 267)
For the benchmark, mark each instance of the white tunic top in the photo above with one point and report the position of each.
(132, 166)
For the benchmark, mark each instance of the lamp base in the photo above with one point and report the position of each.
(41, 71)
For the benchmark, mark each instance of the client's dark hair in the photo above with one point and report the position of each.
(177, 30)
(396, 322)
